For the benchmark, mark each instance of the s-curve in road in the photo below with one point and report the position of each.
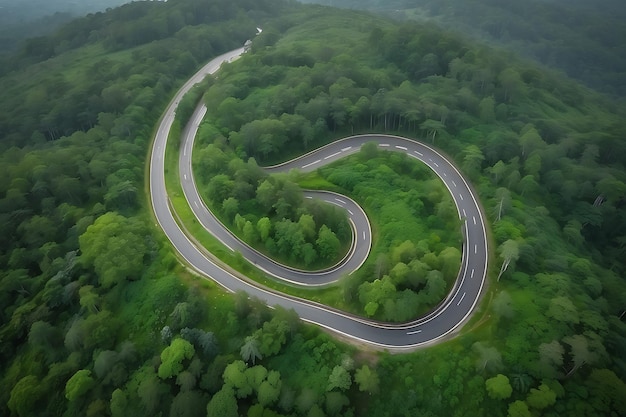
(442, 321)
(361, 230)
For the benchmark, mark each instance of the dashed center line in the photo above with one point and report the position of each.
(364, 235)
(384, 144)
(414, 332)
(472, 275)
(351, 213)
(464, 213)
(196, 203)
(436, 164)
(454, 183)
(419, 153)
(185, 177)
(462, 297)
(346, 149)
(474, 217)
(461, 195)
(330, 156)
(312, 163)
(340, 200)
(475, 249)
(401, 147)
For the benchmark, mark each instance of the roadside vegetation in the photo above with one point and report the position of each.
(99, 319)
(416, 256)
(269, 212)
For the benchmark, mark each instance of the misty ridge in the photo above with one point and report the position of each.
(21, 19)
(584, 39)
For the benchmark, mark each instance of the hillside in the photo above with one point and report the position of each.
(30, 18)
(99, 318)
(584, 39)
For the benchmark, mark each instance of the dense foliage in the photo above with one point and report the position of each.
(585, 39)
(270, 213)
(98, 319)
(30, 18)
(416, 255)
(523, 136)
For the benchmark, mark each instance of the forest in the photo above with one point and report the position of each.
(100, 318)
(584, 39)
(24, 19)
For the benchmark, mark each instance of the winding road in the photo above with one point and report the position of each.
(362, 235)
(445, 319)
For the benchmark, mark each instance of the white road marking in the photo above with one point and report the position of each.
(364, 235)
(464, 213)
(196, 203)
(419, 153)
(445, 175)
(312, 163)
(341, 201)
(384, 144)
(461, 195)
(454, 183)
(351, 213)
(414, 332)
(462, 297)
(430, 159)
(346, 149)
(330, 156)
(472, 275)
(474, 217)
(401, 147)
(309, 197)
(185, 177)
(475, 249)
(436, 164)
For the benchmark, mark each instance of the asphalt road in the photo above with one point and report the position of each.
(356, 255)
(442, 321)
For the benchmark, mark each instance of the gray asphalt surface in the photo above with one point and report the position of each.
(445, 319)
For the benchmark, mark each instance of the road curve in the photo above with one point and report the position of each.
(355, 257)
(442, 321)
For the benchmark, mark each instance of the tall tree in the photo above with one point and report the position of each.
(499, 387)
(509, 252)
(339, 378)
(173, 356)
(367, 379)
(250, 350)
(116, 247)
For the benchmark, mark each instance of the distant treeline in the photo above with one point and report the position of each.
(584, 39)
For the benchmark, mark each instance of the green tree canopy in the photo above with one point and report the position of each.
(499, 387)
(115, 246)
(78, 385)
(173, 356)
(367, 379)
(24, 395)
(339, 379)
